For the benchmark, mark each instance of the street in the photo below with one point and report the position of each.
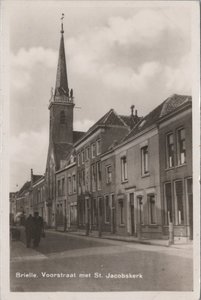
(67, 262)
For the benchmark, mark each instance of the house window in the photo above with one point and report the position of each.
(144, 160)
(69, 186)
(124, 175)
(179, 209)
(83, 180)
(107, 209)
(140, 209)
(87, 153)
(121, 212)
(152, 209)
(170, 150)
(181, 146)
(98, 166)
(78, 159)
(59, 188)
(98, 147)
(108, 174)
(168, 203)
(93, 173)
(79, 183)
(82, 156)
(62, 186)
(87, 179)
(74, 183)
(93, 150)
(62, 117)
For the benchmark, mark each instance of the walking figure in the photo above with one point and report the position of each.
(38, 228)
(29, 230)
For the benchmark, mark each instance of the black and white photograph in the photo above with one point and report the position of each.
(100, 149)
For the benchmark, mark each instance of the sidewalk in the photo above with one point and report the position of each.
(132, 239)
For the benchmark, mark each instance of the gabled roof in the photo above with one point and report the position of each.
(110, 119)
(37, 177)
(24, 189)
(130, 120)
(77, 135)
(171, 104)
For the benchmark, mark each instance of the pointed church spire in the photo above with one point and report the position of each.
(61, 87)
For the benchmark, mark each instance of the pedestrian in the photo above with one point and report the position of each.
(38, 228)
(29, 230)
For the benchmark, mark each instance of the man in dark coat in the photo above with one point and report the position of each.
(29, 230)
(37, 229)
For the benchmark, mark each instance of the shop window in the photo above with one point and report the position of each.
(179, 209)
(107, 209)
(168, 203)
(140, 209)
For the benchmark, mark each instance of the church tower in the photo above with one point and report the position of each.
(61, 102)
(60, 131)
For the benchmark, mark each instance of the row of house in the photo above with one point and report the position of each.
(127, 175)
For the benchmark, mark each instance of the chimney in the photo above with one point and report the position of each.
(136, 112)
(31, 177)
(132, 109)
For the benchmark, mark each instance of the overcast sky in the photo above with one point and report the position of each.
(116, 56)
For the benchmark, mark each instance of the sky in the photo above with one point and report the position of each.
(117, 53)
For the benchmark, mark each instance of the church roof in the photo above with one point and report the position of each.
(171, 104)
(61, 87)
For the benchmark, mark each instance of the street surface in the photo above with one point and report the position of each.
(66, 262)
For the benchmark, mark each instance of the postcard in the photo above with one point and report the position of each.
(100, 149)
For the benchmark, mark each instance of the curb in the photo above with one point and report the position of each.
(109, 238)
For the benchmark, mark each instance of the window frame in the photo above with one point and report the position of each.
(69, 185)
(152, 210)
(168, 150)
(144, 162)
(124, 169)
(176, 215)
(98, 175)
(179, 141)
(107, 209)
(108, 178)
(98, 147)
(93, 150)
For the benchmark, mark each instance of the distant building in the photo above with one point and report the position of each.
(66, 195)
